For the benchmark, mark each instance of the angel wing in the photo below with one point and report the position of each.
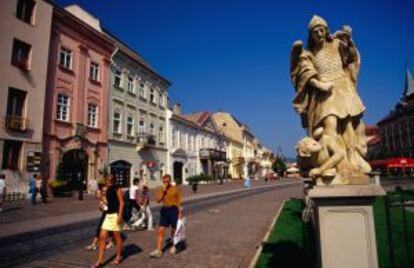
(297, 49)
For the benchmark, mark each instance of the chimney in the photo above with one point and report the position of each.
(177, 109)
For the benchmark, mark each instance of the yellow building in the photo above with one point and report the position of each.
(241, 149)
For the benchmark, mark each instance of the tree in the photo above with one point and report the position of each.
(279, 166)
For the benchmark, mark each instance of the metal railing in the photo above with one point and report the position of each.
(145, 138)
(17, 123)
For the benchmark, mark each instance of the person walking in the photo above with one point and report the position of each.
(32, 188)
(247, 182)
(112, 222)
(103, 207)
(3, 190)
(145, 210)
(171, 199)
(38, 189)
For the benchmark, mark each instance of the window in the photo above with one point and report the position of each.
(152, 129)
(191, 141)
(174, 138)
(141, 125)
(65, 58)
(161, 99)
(161, 135)
(15, 102)
(142, 90)
(130, 126)
(25, 10)
(62, 109)
(117, 78)
(94, 71)
(92, 115)
(152, 95)
(116, 127)
(21, 54)
(130, 87)
(11, 154)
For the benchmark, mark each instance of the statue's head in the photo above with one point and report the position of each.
(318, 31)
(308, 146)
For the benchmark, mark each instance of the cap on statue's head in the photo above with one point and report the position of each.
(317, 21)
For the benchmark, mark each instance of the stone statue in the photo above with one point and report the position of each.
(325, 75)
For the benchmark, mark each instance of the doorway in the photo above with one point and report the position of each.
(75, 169)
(178, 172)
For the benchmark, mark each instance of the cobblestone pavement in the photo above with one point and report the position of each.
(222, 232)
(62, 206)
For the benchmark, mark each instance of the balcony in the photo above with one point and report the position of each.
(17, 123)
(144, 139)
(212, 154)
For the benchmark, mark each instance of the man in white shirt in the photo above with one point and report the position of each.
(2, 190)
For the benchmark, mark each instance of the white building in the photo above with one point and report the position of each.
(194, 148)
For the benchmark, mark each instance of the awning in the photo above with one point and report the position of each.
(399, 162)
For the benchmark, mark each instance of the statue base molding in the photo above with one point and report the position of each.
(344, 225)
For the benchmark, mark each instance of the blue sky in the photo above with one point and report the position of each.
(234, 55)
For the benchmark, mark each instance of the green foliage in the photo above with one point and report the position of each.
(398, 242)
(197, 179)
(279, 166)
(291, 239)
(290, 243)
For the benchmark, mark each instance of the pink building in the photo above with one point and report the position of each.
(75, 119)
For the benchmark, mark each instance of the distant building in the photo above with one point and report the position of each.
(196, 146)
(75, 132)
(397, 128)
(373, 138)
(137, 118)
(24, 45)
(243, 146)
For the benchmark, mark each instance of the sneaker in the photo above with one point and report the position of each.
(150, 229)
(109, 245)
(173, 250)
(91, 247)
(156, 254)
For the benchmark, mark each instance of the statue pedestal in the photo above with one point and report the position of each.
(344, 225)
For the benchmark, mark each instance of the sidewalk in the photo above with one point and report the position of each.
(66, 211)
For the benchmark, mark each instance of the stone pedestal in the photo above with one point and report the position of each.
(344, 225)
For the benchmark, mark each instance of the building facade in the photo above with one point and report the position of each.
(137, 118)
(196, 147)
(397, 128)
(24, 42)
(75, 130)
(234, 131)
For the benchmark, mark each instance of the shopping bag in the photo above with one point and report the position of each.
(179, 235)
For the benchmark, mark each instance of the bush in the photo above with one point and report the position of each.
(197, 179)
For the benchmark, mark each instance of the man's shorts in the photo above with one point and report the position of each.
(169, 216)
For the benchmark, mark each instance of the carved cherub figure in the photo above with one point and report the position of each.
(322, 154)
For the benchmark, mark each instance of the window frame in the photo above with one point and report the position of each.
(17, 59)
(67, 62)
(62, 108)
(93, 116)
(94, 71)
(118, 120)
(22, 14)
(130, 126)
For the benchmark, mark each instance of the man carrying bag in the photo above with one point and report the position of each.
(171, 199)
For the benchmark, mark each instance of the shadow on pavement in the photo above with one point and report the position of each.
(286, 254)
(130, 250)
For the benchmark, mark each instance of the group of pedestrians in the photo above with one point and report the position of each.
(112, 205)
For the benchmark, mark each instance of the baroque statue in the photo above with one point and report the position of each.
(324, 75)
